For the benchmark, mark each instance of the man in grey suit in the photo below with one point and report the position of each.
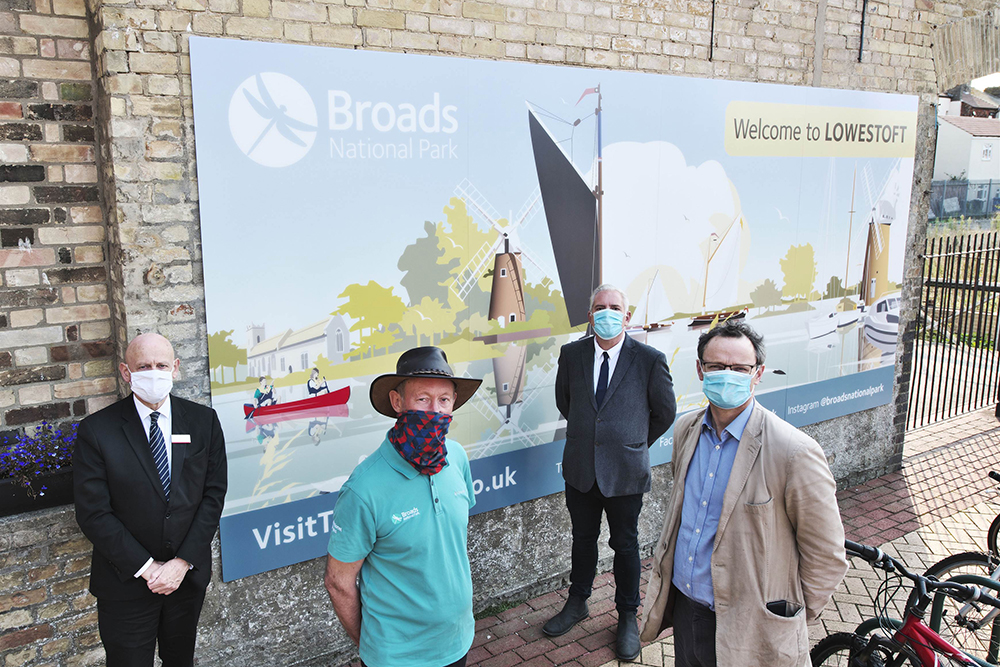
(618, 399)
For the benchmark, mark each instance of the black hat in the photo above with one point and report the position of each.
(420, 362)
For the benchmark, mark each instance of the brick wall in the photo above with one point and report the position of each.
(47, 617)
(56, 359)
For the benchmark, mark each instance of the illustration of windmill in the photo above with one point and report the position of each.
(506, 252)
(881, 214)
(511, 433)
(276, 115)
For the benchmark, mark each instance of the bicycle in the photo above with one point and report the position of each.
(885, 642)
(972, 562)
(967, 625)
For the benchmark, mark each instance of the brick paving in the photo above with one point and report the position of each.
(940, 502)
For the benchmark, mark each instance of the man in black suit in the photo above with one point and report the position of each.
(149, 475)
(618, 399)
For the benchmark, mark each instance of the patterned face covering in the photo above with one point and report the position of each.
(419, 438)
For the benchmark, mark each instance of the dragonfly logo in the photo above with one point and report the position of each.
(272, 119)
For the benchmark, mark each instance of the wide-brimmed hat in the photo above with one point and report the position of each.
(420, 362)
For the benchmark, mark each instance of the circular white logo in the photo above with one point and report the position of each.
(272, 119)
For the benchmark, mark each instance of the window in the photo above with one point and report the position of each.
(987, 151)
(506, 386)
(258, 339)
(282, 364)
(503, 273)
(513, 317)
(305, 360)
(340, 340)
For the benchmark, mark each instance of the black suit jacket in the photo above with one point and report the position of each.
(610, 444)
(120, 504)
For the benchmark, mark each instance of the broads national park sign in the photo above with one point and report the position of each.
(355, 204)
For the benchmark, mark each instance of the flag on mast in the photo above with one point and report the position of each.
(589, 91)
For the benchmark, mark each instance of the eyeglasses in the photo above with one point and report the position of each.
(712, 367)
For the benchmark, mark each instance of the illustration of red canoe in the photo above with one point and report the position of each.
(310, 413)
(338, 397)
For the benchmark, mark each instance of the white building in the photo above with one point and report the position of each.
(968, 148)
(293, 351)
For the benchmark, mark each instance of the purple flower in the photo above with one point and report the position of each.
(46, 450)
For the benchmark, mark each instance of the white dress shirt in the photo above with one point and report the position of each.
(164, 422)
(613, 355)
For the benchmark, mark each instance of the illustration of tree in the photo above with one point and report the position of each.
(766, 295)
(834, 288)
(375, 308)
(223, 353)
(424, 275)
(799, 267)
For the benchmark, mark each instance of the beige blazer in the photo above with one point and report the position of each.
(780, 538)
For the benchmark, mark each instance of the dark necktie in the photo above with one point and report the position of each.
(159, 449)
(602, 381)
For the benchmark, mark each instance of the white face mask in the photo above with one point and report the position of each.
(152, 386)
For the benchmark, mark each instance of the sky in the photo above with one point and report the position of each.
(987, 81)
(280, 243)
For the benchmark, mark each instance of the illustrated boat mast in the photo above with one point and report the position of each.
(711, 256)
(599, 194)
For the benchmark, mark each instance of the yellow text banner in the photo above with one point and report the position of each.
(765, 128)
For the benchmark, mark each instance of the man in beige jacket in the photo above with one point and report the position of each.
(752, 545)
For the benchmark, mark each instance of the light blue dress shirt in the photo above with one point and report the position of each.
(704, 490)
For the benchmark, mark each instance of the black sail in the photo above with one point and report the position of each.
(571, 213)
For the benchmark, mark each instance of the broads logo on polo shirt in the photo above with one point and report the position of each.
(405, 516)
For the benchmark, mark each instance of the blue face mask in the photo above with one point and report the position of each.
(608, 323)
(727, 389)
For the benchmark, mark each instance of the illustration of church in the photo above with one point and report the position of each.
(292, 351)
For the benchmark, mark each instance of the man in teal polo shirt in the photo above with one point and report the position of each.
(401, 521)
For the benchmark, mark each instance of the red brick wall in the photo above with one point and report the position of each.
(56, 359)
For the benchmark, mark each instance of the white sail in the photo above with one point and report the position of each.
(654, 306)
(722, 279)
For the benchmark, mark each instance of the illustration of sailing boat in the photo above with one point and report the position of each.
(573, 212)
(721, 285)
(653, 311)
(846, 312)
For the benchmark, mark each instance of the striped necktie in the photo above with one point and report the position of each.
(159, 449)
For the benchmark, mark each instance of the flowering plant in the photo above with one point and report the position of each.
(44, 450)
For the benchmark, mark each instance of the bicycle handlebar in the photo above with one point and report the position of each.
(883, 561)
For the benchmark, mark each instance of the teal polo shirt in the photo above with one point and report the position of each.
(411, 530)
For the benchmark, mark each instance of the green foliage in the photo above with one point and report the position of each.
(375, 308)
(424, 275)
(834, 288)
(799, 268)
(766, 295)
(223, 353)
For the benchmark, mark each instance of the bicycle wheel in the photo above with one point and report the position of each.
(991, 537)
(835, 650)
(974, 628)
(970, 562)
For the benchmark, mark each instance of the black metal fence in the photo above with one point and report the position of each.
(968, 199)
(955, 363)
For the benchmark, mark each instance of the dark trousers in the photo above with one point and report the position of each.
(694, 633)
(130, 629)
(458, 663)
(623, 521)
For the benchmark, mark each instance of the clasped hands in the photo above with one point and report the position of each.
(164, 578)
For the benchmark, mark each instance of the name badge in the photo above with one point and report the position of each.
(180, 438)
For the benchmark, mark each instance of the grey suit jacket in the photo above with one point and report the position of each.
(610, 444)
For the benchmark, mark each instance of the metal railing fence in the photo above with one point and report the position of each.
(955, 365)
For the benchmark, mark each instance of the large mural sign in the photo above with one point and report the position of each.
(355, 204)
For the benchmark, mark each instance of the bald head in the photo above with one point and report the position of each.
(148, 344)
